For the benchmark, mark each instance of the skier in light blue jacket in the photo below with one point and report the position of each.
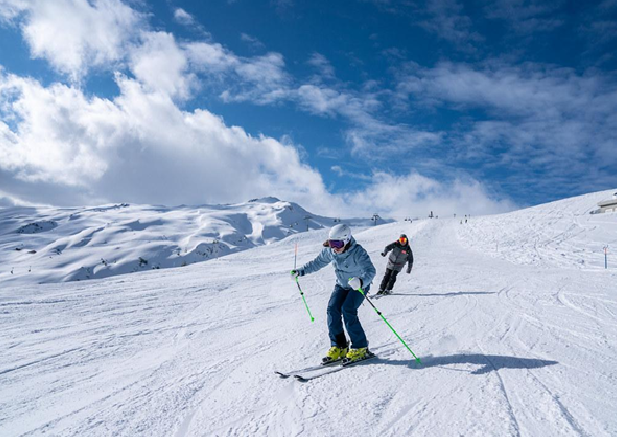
(354, 270)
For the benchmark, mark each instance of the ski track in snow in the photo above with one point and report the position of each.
(512, 344)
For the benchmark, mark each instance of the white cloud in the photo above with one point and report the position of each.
(412, 195)
(54, 139)
(343, 173)
(160, 64)
(320, 100)
(541, 93)
(210, 57)
(519, 90)
(74, 35)
(183, 17)
(536, 120)
(323, 66)
(252, 41)
(383, 141)
(10, 9)
(448, 21)
(175, 68)
(262, 80)
(165, 65)
(141, 147)
(259, 79)
(263, 69)
(527, 16)
(367, 136)
(7, 200)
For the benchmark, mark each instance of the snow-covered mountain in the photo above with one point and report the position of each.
(41, 244)
(512, 343)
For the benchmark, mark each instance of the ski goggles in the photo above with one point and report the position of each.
(336, 244)
(402, 240)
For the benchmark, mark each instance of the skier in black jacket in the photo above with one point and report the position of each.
(401, 255)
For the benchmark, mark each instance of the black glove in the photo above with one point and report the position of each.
(383, 253)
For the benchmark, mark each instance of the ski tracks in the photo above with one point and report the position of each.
(534, 408)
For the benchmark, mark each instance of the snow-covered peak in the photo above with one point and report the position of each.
(44, 244)
(265, 200)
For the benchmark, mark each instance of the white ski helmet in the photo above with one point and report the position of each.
(340, 232)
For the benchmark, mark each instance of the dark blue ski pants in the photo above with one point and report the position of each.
(343, 305)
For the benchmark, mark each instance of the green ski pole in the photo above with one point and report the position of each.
(390, 326)
(298, 284)
(307, 308)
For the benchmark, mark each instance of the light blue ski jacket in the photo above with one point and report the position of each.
(354, 262)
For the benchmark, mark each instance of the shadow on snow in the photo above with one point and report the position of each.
(489, 363)
(458, 293)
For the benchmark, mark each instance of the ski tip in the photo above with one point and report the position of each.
(300, 378)
(282, 375)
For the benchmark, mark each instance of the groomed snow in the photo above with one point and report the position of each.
(514, 341)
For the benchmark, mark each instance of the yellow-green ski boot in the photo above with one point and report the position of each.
(335, 353)
(357, 355)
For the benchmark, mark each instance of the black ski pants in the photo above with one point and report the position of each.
(388, 280)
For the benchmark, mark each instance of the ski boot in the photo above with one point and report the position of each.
(356, 354)
(387, 292)
(335, 353)
(380, 292)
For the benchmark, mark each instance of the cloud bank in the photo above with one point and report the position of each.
(142, 146)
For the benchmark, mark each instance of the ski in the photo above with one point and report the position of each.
(314, 374)
(285, 375)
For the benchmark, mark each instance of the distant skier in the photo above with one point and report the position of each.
(401, 255)
(354, 270)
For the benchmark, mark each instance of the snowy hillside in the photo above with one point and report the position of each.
(561, 233)
(53, 245)
(510, 346)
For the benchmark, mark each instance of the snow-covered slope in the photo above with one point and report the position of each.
(88, 243)
(508, 348)
(561, 233)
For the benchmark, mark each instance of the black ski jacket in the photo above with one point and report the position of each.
(400, 256)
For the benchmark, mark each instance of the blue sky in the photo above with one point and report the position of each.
(396, 107)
